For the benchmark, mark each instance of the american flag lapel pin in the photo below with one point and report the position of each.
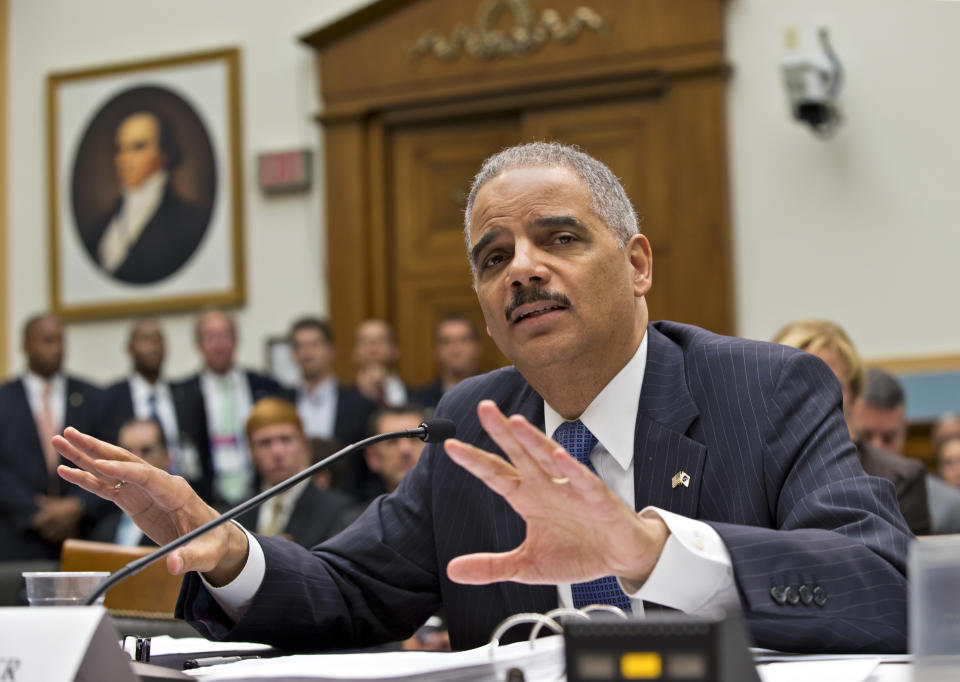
(681, 478)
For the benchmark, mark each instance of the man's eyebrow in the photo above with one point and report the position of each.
(559, 221)
(482, 244)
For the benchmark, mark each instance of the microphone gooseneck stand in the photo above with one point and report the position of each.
(430, 431)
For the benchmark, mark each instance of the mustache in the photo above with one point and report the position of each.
(524, 296)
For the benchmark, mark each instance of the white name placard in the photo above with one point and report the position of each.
(60, 644)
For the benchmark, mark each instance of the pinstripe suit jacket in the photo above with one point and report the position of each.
(757, 426)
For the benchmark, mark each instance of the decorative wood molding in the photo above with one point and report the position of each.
(484, 41)
(917, 364)
(4, 178)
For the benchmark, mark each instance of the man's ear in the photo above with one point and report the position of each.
(640, 258)
(372, 461)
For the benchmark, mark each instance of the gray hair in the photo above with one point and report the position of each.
(608, 199)
(883, 391)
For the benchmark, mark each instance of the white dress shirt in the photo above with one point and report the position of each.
(138, 207)
(317, 407)
(394, 391)
(140, 392)
(34, 384)
(694, 572)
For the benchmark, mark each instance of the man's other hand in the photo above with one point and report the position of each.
(577, 528)
(164, 507)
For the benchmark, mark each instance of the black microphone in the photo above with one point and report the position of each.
(431, 431)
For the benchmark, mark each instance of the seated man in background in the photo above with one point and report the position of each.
(880, 414)
(389, 460)
(695, 471)
(144, 438)
(943, 488)
(947, 458)
(304, 513)
(457, 352)
(830, 343)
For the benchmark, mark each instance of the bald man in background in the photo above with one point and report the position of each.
(151, 231)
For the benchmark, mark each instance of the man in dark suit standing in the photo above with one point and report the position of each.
(329, 411)
(151, 231)
(38, 512)
(214, 404)
(457, 351)
(146, 394)
(304, 514)
(689, 470)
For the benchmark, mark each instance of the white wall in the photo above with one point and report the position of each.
(285, 248)
(861, 229)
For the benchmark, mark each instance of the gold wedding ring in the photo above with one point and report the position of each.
(560, 480)
(119, 484)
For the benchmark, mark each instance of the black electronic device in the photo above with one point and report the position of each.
(667, 647)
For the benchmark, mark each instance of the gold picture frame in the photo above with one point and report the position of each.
(145, 187)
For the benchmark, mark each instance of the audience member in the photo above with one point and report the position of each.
(375, 355)
(215, 404)
(145, 438)
(328, 410)
(457, 351)
(390, 460)
(37, 511)
(880, 415)
(831, 344)
(304, 513)
(947, 458)
(943, 489)
(946, 426)
(146, 394)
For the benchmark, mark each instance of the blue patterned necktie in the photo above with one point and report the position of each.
(578, 441)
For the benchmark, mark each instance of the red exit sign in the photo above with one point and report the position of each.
(281, 172)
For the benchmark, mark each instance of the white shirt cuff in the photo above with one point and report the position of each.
(694, 573)
(235, 597)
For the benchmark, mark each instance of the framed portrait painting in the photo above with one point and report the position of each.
(146, 212)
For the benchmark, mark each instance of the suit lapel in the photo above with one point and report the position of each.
(536, 598)
(662, 451)
(20, 413)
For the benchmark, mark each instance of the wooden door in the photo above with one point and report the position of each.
(681, 211)
(431, 167)
(406, 129)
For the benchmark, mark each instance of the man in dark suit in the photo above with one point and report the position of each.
(457, 351)
(713, 473)
(146, 394)
(151, 231)
(329, 410)
(38, 512)
(829, 342)
(305, 514)
(214, 404)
